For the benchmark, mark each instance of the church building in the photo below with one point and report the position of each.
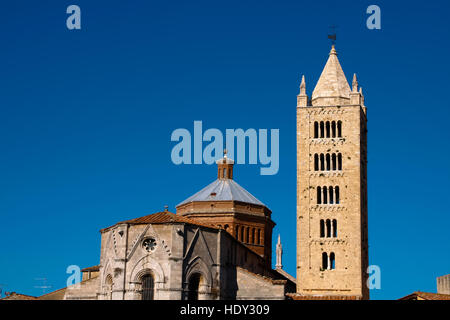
(216, 246)
(218, 243)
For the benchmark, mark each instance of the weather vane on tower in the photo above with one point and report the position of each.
(332, 36)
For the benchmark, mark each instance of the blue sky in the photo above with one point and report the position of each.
(86, 119)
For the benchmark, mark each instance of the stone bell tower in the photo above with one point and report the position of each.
(332, 240)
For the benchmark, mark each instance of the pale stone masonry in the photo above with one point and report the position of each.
(332, 239)
(443, 284)
(216, 247)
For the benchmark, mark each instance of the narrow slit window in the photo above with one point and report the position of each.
(337, 194)
(332, 261)
(322, 228)
(325, 195)
(319, 195)
(324, 261)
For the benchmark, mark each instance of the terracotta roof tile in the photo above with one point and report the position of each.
(93, 268)
(296, 296)
(18, 296)
(265, 278)
(162, 218)
(426, 296)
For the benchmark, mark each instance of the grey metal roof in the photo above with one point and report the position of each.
(223, 190)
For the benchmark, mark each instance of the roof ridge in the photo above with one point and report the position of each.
(263, 277)
(223, 190)
(161, 218)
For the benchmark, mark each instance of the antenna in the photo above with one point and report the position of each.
(44, 285)
(332, 36)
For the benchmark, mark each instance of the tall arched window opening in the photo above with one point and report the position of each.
(194, 286)
(328, 223)
(337, 194)
(108, 287)
(322, 228)
(325, 195)
(324, 261)
(334, 228)
(330, 191)
(319, 195)
(332, 261)
(148, 287)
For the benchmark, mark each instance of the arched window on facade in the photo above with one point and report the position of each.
(242, 233)
(258, 239)
(327, 125)
(253, 240)
(332, 261)
(333, 160)
(108, 287)
(339, 161)
(337, 194)
(339, 129)
(322, 228)
(247, 235)
(328, 162)
(322, 162)
(330, 191)
(325, 195)
(319, 195)
(194, 286)
(316, 162)
(324, 261)
(148, 287)
(322, 129)
(334, 228)
(333, 129)
(316, 129)
(328, 224)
